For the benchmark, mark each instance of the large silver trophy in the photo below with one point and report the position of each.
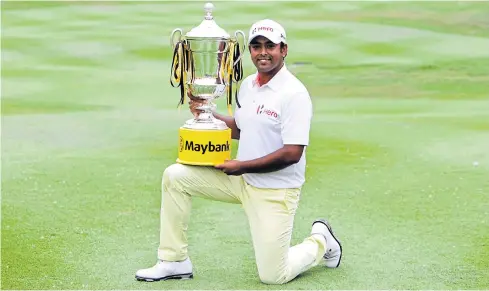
(207, 61)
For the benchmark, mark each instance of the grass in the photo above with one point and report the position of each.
(398, 160)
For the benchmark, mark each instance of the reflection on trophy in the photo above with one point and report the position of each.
(206, 63)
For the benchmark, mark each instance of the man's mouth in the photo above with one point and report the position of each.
(263, 61)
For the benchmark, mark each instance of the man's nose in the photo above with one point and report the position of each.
(262, 50)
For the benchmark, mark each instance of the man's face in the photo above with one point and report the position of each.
(266, 55)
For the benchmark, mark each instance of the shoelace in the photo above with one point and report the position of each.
(329, 254)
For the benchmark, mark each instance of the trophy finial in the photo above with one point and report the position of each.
(208, 28)
(208, 7)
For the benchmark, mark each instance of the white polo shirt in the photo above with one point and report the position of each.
(271, 116)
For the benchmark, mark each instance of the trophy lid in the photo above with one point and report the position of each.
(208, 28)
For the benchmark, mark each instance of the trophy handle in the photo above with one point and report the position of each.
(243, 46)
(172, 36)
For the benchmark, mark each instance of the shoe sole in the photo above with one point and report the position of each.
(332, 234)
(172, 277)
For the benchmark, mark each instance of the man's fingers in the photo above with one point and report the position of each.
(221, 166)
(193, 98)
(195, 104)
(193, 107)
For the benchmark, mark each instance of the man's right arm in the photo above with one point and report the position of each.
(231, 123)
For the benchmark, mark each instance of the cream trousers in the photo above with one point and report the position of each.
(270, 214)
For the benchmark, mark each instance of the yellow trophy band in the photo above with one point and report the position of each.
(204, 147)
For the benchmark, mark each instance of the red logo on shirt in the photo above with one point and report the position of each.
(262, 110)
(259, 109)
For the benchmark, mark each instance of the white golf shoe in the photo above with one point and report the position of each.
(332, 257)
(164, 270)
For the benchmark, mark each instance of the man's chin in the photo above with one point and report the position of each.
(264, 69)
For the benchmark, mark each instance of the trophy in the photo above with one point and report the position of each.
(207, 61)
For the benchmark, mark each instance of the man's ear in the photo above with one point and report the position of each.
(284, 49)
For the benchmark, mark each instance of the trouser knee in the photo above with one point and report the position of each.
(174, 174)
(273, 278)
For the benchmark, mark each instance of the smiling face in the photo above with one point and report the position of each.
(267, 56)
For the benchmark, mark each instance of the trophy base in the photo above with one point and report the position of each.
(205, 122)
(204, 144)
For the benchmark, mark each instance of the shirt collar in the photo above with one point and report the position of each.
(275, 82)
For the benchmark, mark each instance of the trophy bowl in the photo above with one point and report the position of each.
(207, 61)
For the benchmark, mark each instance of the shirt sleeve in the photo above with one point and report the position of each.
(296, 119)
(236, 113)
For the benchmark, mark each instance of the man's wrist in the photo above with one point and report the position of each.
(217, 116)
(245, 166)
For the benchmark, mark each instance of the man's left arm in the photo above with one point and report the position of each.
(277, 160)
(296, 117)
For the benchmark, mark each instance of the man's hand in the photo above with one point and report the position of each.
(231, 167)
(193, 103)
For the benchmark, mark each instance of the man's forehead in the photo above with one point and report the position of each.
(261, 39)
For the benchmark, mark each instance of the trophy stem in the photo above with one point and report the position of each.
(207, 116)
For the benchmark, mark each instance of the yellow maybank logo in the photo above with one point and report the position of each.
(204, 147)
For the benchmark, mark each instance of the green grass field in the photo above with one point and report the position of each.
(398, 161)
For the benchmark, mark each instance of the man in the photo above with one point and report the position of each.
(272, 125)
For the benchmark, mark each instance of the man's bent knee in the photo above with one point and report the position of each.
(274, 278)
(174, 174)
